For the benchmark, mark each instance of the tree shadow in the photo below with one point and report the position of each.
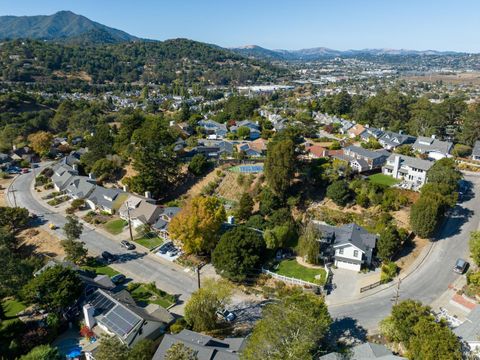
(453, 222)
(346, 330)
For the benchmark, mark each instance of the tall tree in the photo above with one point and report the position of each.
(309, 243)
(73, 228)
(43, 352)
(41, 142)
(245, 207)
(196, 226)
(339, 192)
(388, 243)
(291, 328)
(280, 166)
(75, 251)
(111, 348)
(475, 246)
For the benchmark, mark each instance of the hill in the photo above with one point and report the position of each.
(61, 26)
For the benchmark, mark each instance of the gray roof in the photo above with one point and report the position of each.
(80, 186)
(469, 330)
(396, 139)
(411, 162)
(104, 197)
(370, 154)
(428, 144)
(62, 174)
(364, 351)
(206, 347)
(476, 148)
(349, 234)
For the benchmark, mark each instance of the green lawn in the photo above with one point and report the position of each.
(11, 308)
(149, 242)
(116, 226)
(292, 268)
(145, 296)
(382, 179)
(100, 269)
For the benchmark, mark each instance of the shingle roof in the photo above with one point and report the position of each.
(349, 234)
(411, 162)
(427, 144)
(366, 153)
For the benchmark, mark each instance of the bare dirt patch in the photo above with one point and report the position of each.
(472, 78)
(404, 262)
(3, 187)
(41, 242)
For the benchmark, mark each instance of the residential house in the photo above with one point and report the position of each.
(410, 169)
(361, 159)
(117, 314)
(25, 153)
(355, 130)
(248, 150)
(107, 200)
(391, 140)
(205, 347)
(432, 147)
(350, 246)
(476, 151)
(345, 126)
(316, 151)
(365, 351)
(62, 175)
(141, 211)
(214, 148)
(5, 161)
(219, 131)
(371, 132)
(254, 128)
(80, 187)
(161, 225)
(469, 331)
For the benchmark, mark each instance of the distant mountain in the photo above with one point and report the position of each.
(318, 53)
(62, 26)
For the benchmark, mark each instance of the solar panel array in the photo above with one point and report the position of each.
(101, 303)
(120, 320)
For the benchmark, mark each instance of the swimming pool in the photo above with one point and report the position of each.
(70, 347)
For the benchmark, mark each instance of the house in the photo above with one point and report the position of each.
(25, 153)
(140, 211)
(316, 151)
(80, 187)
(361, 159)
(365, 351)
(259, 145)
(469, 330)
(355, 130)
(476, 151)
(432, 147)
(345, 126)
(248, 150)
(411, 169)
(214, 148)
(214, 128)
(254, 128)
(391, 140)
(63, 174)
(5, 160)
(205, 347)
(350, 246)
(107, 200)
(371, 132)
(161, 225)
(117, 314)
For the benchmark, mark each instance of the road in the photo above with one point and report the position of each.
(136, 265)
(432, 277)
(428, 282)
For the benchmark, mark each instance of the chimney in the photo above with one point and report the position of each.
(75, 167)
(400, 132)
(148, 194)
(231, 220)
(434, 137)
(88, 311)
(396, 166)
(91, 176)
(125, 188)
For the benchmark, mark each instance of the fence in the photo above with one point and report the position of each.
(371, 286)
(292, 281)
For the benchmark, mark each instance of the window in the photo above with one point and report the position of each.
(340, 251)
(355, 253)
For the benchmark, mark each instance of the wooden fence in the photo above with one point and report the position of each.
(371, 286)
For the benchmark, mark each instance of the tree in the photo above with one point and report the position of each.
(99, 145)
(461, 150)
(54, 289)
(245, 207)
(41, 142)
(238, 253)
(289, 329)
(196, 226)
(111, 348)
(309, 244)
(280, 236)
(268, 201)
(13, 218)
(201, 309)
(142, 350)
(280, 166)
(443, 171)
(105, 169)
(425, 215)
(243, 132)
(198, 165)
(388, 243)
(75, 250)
(339, 192)
(43, 352)
(475, 246)
(73, 228)
(180, 352)
(405, 150)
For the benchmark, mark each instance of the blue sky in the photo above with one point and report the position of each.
(286, 24)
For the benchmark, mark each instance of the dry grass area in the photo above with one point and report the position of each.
(3, 186)
(406, 261)
(129, 172)
(41, 242)
(402, 218)
(81, 75)
(230, 188)
(196, 189)
(469, 78)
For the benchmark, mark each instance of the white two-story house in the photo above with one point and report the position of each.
(411, 169)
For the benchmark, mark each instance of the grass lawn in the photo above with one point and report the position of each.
(11, 308)
(292, 268)
(116, 226)
(382, 179)
(143, 295)
(100, 269)
(149, 242)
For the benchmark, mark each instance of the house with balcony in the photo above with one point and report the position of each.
(433, 148)
(361, 160)
(407, 168)
(391, 140)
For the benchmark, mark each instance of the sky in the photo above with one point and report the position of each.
(283, 24)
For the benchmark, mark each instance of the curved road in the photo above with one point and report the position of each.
(427, 283)
(137, 265)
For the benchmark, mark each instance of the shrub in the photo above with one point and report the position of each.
(389, 271)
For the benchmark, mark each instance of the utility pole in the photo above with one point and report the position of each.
(396, 297)
(13, 191)
(198, 276)
(129, 221)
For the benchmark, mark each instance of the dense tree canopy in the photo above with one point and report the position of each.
(280, 166)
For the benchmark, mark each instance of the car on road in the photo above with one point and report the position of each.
(25, 170)
(127, 245)
(108, 257)
(118, 279)
(460, 266)
(226, 315)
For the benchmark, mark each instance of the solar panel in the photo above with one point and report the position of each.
(120, 320)
(101, 303)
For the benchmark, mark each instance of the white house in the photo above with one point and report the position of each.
(435, 149)
(411, 169)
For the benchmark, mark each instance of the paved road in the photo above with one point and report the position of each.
(137, 265)
(432, 277)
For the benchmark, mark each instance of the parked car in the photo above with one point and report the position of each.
(108, 257)
(52, 226)
(118, 279)
(226, 315)
(460, 266)
(127, 245)
(25, 170)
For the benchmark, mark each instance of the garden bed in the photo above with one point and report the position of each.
(58, 200)
(145, 294)
(150, 241)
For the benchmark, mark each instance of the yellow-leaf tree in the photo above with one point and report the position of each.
(197, 225)
(41, 142)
